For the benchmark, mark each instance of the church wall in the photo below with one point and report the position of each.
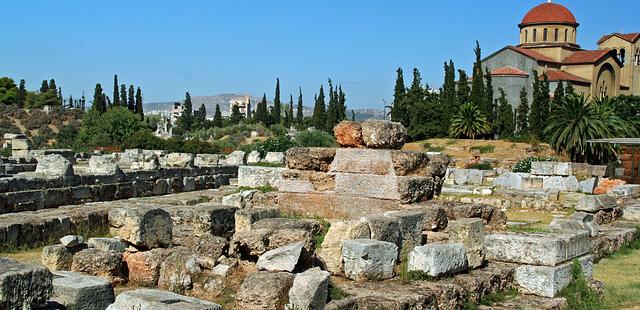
(512, 85)
(630, 74)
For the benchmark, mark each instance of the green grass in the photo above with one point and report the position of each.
(499, 296)
(336, 293)
(432, 148)
(578, 293)
(265, 164)
(483, 149)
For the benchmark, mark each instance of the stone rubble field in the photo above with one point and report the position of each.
(355, 227)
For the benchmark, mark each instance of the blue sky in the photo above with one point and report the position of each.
(210, 47)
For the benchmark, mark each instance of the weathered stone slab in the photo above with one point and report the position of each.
(54, 165)
(143, 226)
(179, 160)
(306, 181)
(159, 300)
(23, 286)
(369, 260)
(235, 158)
(104, 165)
(71, 241)
(536, 249)
(548, 281)
(588, 186)
(246, 217)
(264, 290)
(339, 231)
(627, 190)
(310, 158)
(410, 224)
(256, 176)
(276, 158)
(595, 203)
(310, 290)
(76, 291)
(438, 259)
(384, 228)
(253, 157)
(58, 257)
(560, 183)
(470, 233)
(312, 226)
(284, 258)
(363, 161)
(631, 213)
(252, 243)
(511, 180)
(551, 168)
(105, 264)
(206, 160)
(348, 134)
(405, 189)
(572, 224)
(204, 218)
(379, 134)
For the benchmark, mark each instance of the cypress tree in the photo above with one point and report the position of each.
(342, 104)
(99, 103)
(276, 104)
(540, 106)
(299, 114)
(53, 87)
(505, 125)
(123, 96)
(523, 113)
(569, 90)
(399, 111)
(217, 117)
(139, 103)
(44, 87)
(249, 110)
(558, 94)
(131, 101)
(22, 94)
(490, 108)
(289, 113)
(477, 96)
(261, 111)
(332, 109)
(116, 94)
(448, 93)
(463, 91)
(70, 102)
(319, 112)
(60, 99)
(353, 116)
(236, 117)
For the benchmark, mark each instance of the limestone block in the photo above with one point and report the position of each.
(234, 200)
(204, 218)
(560, 183)
(379, 134)
(348, 134)
(253, 243)
(246, 217)
(384, 228)
(54, 165)
(438, 259)
(548, 249)
(235, 158)
(562, 168)
(58, 257)
(572, 224)
(405, 189)
(20, 144)
(511, 180)
(284, 258)
(276, 158)
(410, 224)
(144, 267)
(206, 160)
(159, 300)
(339, 231)
(595, 203)
(365, 161)
(627, 190)
(23, 286)
(533, 182)
(470, 233)
(410, 163)
(631, 213)
(368, 260)
(548, 281)
(310, 290)
(105, 264)
(72, 241)
(588, 186)
(253, 157)
(103, 165)
(264, 290)
(256, 176)
(179, 160)
(306, 181)
(76, 291)
(142, 226)
(312, 226)
(310, 158)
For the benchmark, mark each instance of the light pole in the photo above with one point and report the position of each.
(384, 109)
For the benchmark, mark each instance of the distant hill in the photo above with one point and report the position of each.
(223, 100)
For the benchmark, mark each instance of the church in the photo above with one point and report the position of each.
(548, 44)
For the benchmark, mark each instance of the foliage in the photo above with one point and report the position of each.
(628, 108)
(8, 91)
(146, 140)
(484, 165)
(477, 96)
(539, 114)
(448, 93)
(314, 138)
(522, 112)
(299, 112)
(185, 120)
(578, 293)
(574, 121)
(5, 152)
(319, 111)
(469, 122)
(432, 148)
(524, 165)
(399, 113)
(336, 293)
(114, 126)
(483, 149)
(263, 189)
(274, 144)
(277, 111)
(504, 124)
(499, 296)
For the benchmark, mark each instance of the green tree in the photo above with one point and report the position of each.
(123, 96)
(114, 126)
(236, 117)
(60, 99)
(319, 112)
(99, 102)
(569, 90)
(539, 114)
(505, 125)
(288, 120)
(399, 111)
(53, 87)
(342, 104)
(116, 94)
(277, 110)
(217, 117)
(185, 120)
(131, 99)
(463, 90)
(448, 93)
(469, 122)
(249, 114)
(489, 109)
(261, 115)
(477, 96)
(70, 102)
(522, 113)
(558, 93)
(21, 96)
(200, 117)
(332, 108)
(8, 91)
(139, 108)
(299, 114)
(44, 87)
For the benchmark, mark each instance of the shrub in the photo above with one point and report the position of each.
(145, 139)
(469, 122)
(277, 144)
(483, 149)
(315, 138)
(578, 293)
(484, 165)
(5, 152)
(524, 165)
(114, 126)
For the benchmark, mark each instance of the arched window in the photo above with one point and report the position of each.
(544, 35)
(637, 56)
(566, 33)
(622, 55)
(535, 35)
(615, 52)
(573, 35)
(526, 36)
(555, 35)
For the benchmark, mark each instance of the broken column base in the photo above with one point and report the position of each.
(548, 281)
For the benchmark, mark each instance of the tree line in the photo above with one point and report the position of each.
(132, 100)
(49, 94)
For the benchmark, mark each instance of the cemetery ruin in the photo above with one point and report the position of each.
(366, 225)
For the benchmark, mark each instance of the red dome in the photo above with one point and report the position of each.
(549, 13)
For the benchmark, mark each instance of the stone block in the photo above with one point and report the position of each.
(306, 181)
(369, 260)
(588, 186)
(108, 244)
(543, 167)
(20, 144)
(253, 243)
(595, 203)
(284, 258)
(264, 290)
(159, 300)
(206, 160)
(548, 281)
(348, 134)
(310, 290)
(276, 158)
(405, 189)
(54, 165)
(571, 224)
(310, 158)
(631, 213)
(410, 224)
(72, 241)
(103, 165)
(246, 217)
(144, 267)
(256, 176)
(384, 228)
(76, 291)
(23, 286)
(364, 161)
(560, 183)
(253, 157)
(438, 259)
(470, 233)
(179, 160)
(549, 249)
(339, 231)
(235, 158)
(142, 226)
(57, 257)
(206, 218)
(511, 180)
(379, 134)
(105, 264)
(312, 226)
(627, 190)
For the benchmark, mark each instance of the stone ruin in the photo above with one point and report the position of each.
(360, 219)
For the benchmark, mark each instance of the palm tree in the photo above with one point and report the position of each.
(469, 122)
(574, 121)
